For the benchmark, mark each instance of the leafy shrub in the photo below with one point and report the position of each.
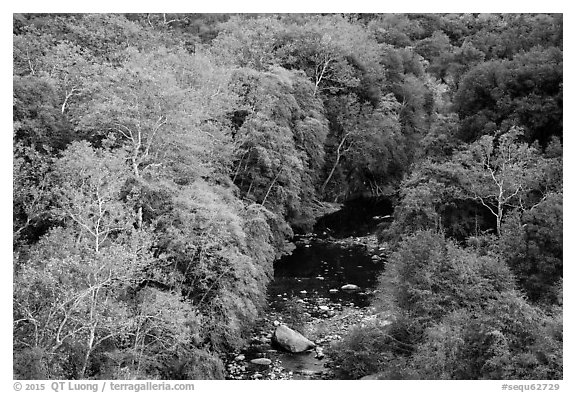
(507, 339)
(531, 244)
(430, 276)
(369, 349)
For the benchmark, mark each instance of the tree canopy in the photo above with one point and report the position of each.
(163, 162)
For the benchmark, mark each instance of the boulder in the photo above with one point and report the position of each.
(350, 287)
(261, 361)
(290, 340)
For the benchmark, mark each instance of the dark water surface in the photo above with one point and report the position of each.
(322, 265)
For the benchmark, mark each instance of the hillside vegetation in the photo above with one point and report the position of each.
(162, 162)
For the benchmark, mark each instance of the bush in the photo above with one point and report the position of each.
(29, 364)
(363, 351)
(373, 348)
(430, 276)
(507, 339)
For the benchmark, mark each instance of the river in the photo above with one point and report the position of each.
(306, 294)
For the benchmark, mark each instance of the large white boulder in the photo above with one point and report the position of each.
(290, 340)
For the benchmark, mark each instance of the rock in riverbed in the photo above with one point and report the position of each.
(261, 361)
(290, 340)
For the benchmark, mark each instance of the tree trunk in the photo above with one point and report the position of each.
(270, 188)
(88, 352)
(499, 221)
(338, 157)
(139, 217)
(331, 172)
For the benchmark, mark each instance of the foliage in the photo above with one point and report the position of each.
(279, 143)
(458, 316)
(485, 179)
(499, 173)
(429, 277)
(369, 151)
(38, 121)
(162, 162)
(364, 351)
(526, 90)
(508, 339)
(531, 243)
(31, 193)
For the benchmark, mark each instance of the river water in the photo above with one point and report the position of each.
(318, 266)
(306, 295)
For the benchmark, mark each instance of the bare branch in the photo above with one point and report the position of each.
(30, 62)
(128, 136)
(271, 185)
(68, 95)
(320, 73)
(80, 223)
(159, 123)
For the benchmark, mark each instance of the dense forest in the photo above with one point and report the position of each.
(163, 162)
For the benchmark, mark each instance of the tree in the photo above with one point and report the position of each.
(333, 52)
(279, 143)
(90, 184)
(499, 172)
(168, 109)
(433, 46)
(162, 326)
(31, 195)
(38, 120)
(78, 311)
(369, 147)
(525, 91)
(72, 305)
(531, 243)
(248, 42)
(68, 303)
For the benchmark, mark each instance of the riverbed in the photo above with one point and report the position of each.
(306, 294)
